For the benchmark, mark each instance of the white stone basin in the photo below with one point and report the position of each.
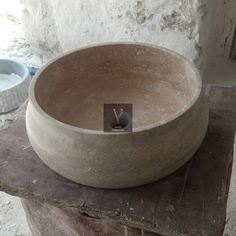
(14, 83)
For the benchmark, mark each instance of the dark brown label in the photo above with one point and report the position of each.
(118, 117)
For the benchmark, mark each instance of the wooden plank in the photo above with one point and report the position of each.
(47, 220)
(191, 201)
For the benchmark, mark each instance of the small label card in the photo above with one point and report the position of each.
(118, 117)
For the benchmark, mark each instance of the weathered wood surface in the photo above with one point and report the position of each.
(191, 201)
(47, 220)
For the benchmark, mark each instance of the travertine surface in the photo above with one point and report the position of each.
(168, 105)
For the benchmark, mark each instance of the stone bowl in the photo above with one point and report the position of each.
(65, 115)
(15, 91)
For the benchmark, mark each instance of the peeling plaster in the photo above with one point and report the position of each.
(39, 25)
(176, 21)
(74, 23)
(140, 11)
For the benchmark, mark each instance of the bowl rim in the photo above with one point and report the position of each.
(54, 121)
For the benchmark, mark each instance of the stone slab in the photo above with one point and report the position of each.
(191, 201)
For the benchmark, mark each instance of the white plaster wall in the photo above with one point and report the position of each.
(39, 27)
(54, 26)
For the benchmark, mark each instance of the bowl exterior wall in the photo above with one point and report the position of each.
(118, 160)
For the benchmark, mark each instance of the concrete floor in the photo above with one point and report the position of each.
(12, 217)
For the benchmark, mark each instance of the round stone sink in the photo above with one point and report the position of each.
(65, 114)
(14, 83)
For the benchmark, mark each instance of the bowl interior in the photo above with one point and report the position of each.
(158, 83)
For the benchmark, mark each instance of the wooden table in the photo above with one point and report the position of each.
(191, 201)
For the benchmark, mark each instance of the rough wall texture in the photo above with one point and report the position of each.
(39, 27)
(54, 26)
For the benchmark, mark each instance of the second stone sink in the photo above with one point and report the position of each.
(65, 114)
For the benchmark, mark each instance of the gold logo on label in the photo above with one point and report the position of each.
(118, 114)
(117, 117)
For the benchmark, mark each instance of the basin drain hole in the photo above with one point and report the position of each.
(123, 122)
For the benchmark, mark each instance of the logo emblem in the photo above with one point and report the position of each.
(118, 117)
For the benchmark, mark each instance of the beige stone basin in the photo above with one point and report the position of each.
(65, 117)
